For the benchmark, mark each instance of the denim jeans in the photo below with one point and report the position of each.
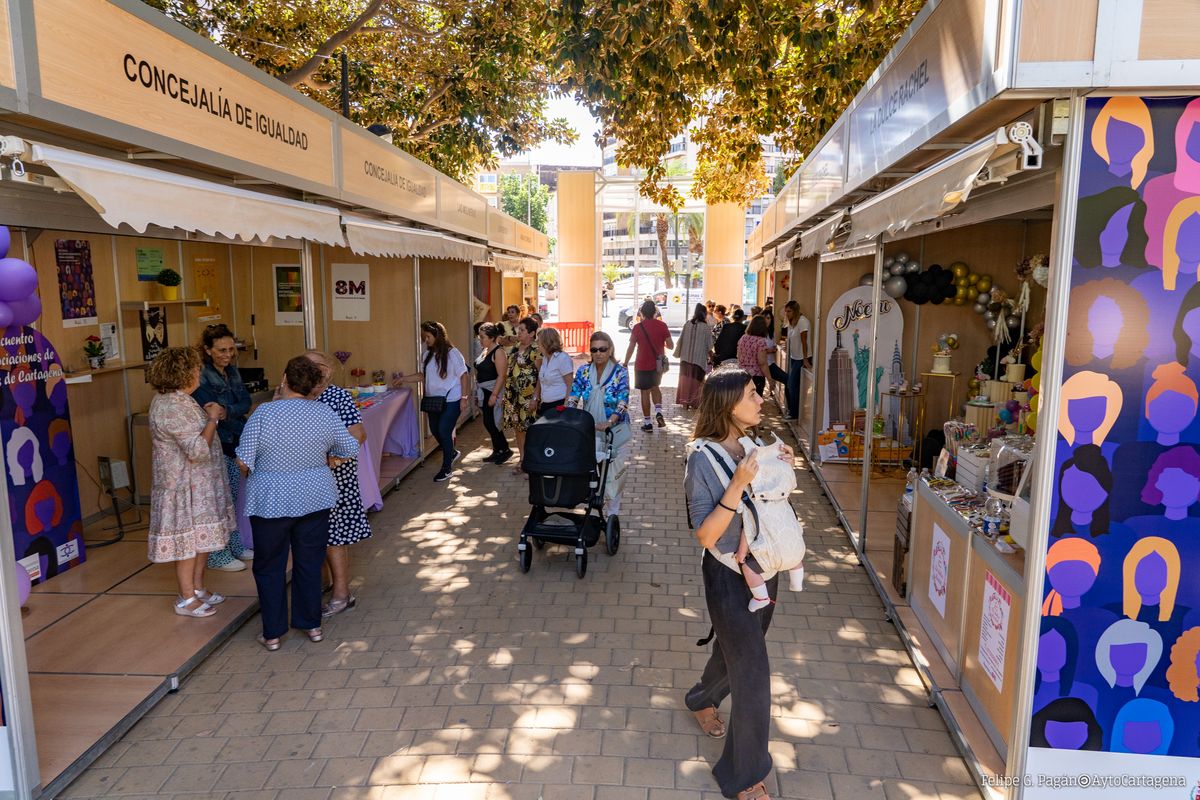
(499, 443)
(442, 427)
(791, 383)
(306, 538)
(738, 666)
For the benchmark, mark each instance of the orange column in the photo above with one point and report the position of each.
(724, 252)
(578, 243)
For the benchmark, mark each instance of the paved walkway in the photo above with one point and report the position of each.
(459, 678)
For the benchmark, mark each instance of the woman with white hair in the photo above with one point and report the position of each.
(602, 389)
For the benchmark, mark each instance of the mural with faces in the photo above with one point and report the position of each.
(1118, 665)
(35, 430)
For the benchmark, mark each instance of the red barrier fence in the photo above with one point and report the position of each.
(575, 335)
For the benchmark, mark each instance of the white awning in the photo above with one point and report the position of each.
(783, 253)
(509, 265)
(816, 239)
(125, 193)
(927, 195)
(377, 238)
(755, 263)
(768, 261)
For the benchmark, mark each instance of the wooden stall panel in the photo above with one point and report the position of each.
(511, 293)
(269, 343)
(1058, 30)
(1169, 30)
(132, 251)
(445, 298)
(946, 628)
(1007, 606)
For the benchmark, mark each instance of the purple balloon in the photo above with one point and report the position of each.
(5, 241)
(23, 584)
(18, 280)
(24, 312)
(1013, 406)
(6, 315)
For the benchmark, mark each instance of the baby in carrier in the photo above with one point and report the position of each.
(771, 531)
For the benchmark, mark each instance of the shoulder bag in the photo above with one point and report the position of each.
(661, 362)
(432, 403)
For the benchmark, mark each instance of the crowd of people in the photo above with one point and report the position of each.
(292, 464)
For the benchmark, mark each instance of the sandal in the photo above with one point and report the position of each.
(271, 644)
(211, 598)
(710, 722)
(202, 610)
(315, 634)
(334, 607)
(756, 792)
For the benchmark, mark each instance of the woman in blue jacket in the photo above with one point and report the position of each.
(602, 389)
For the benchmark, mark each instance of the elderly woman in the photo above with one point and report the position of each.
(221, 383)
(290, 448)
(191, 511)
(694, 351)
(520, 388)
(602, 389)
(348, 520)
(556, 370)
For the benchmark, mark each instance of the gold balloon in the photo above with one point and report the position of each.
(1034, 403)
(960, 294)
(1036, 360)
(960, 301)
(1031, 420)
(984, 283)
(972, 293)
(961, 283)
(959, 269)
(972, 278)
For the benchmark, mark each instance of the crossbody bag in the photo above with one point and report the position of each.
(661, 362)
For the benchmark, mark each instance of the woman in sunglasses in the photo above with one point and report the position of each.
(602, 389)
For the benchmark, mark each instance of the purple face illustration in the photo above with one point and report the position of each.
(1124, 140)
(1193, 142)
(1142, 737)
(1086, 414)
(1114, 237)
(1066, 735)
(60, 445)
(1052, 655)
(1169, 414)
(1150, 577)
(1071, 579)
(25, 393)
(1187, 244)
(25, 456)
(44, 509)
(1127, 660)
(1191, 326)
(1180, 489)
(1083, 493)
(1105, 322)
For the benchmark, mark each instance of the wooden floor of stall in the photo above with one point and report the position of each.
(843, 486)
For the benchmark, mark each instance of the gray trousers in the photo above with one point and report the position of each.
(738, 666)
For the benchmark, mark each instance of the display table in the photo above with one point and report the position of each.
(969, 598)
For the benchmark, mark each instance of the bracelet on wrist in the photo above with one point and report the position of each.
(721, 503)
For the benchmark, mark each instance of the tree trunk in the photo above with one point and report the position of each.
(662, 228)
(304, 72)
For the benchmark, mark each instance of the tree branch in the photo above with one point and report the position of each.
(302, 73)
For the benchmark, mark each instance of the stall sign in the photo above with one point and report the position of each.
(939, 569)
(993, 629)
(351, 292)
(382, 176)
(461, 209)
(149, 261)
(501, 228)
(289, 299)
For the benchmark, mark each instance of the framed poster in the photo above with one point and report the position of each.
(939, 569)
(993, 629)
(351, 300)
(205, 283)
(149, 263)
(289, 301)
(153, 326)
(76, 286)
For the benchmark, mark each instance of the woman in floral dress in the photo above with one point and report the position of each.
(191, 509)
(520, 390)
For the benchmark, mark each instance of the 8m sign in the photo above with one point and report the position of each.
(351, 292)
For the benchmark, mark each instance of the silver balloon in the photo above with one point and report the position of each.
(1013, 321)
(867, 279)
(895, 286)
(991, 324)
(983, 299)
(887, 262)
(912, 266)
(979, 308)
(895, 269)
(902, 258)
(990, 316)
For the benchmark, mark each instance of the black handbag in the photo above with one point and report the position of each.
(433, 403)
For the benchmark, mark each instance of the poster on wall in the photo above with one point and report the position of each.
(1120, 602)
(76, 286)
(35, 426)
(152, 322)
(149, 262)
(289, 305)
(205, 283)
(847, 339)
(939, 569)
(993, 629)
(351, 292)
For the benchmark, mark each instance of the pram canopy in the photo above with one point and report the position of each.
(561, 443)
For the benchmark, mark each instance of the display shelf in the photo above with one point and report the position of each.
(146, 305)
(85, 375)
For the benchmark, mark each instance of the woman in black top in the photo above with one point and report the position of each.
(726, 345)
(491, 370)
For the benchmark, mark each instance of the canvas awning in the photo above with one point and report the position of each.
(509, 265)
(377, 238)
(927, 195)
(768, 261)
(816, 239)
(783, 253)
(125, 193)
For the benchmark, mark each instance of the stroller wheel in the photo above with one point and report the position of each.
(526, 555)
(581, 564)
(539, 544)
(612, 535)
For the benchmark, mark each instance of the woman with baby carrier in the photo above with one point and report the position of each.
(715, 483)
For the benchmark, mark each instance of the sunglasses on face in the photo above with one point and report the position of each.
(599, 349)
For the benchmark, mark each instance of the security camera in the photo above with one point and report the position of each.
(1021, 133)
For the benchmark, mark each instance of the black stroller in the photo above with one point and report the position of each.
(564, 472)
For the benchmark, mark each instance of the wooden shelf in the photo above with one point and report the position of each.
(146, 305)
(85, 375)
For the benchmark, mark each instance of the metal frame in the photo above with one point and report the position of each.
(869, 422)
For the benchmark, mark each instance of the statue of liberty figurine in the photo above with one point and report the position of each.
(862, 362)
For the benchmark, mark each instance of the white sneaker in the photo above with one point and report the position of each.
(236, 565)
(247, 555)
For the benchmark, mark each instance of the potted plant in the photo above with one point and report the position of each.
(93, 349)
(169, 280)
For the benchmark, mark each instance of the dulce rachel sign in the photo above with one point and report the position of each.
(35, 430)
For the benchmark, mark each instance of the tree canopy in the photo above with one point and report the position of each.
(524, 197)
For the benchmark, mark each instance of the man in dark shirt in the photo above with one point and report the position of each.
(727, 342)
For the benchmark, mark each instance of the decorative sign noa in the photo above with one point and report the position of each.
(859, 309)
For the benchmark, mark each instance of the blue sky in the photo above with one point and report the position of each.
(584, 152)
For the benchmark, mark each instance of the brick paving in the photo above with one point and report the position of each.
(460, 678)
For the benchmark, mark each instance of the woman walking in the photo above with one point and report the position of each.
(491, 373)
(797, 355)
(730, 408)
(446, 377)
(221, 383)
(752, 352)
(555, 372)
(348, 520)
(652, 339)
(520, 389)
(693, 351)
(289, 449)
(191, 512)
(602, 389)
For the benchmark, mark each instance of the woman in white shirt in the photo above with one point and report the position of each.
(797, 352)
(446, 377)
(556, 372)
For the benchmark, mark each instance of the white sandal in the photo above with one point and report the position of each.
(202, 610)
(210, 598)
